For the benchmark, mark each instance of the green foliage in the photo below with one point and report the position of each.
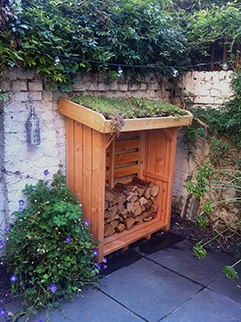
(199, 251)
(50, 245)
(202, 221)
(229, 272)
(86, 35)
(219, 24)
(199, 186)
(123, 32)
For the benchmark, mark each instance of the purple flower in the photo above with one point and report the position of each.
(13, 278)
(21, 202)
(1, 243)
(2, 312)
(98, 266)
(40, 321)
(104, 259)
(53, 288)
(46, 172)
(105, 266)
(77, 197)
(87, 222)
(20, 210)
(7, 228)
(95, 253)
(68, 239)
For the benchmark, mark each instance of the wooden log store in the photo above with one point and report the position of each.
(97, 158)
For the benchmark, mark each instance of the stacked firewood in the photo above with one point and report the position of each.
(129, 204)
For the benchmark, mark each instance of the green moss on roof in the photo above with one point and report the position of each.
(129, 108)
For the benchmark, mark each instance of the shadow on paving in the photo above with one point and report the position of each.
(155, 280)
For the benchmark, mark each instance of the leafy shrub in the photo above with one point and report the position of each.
(50, 250)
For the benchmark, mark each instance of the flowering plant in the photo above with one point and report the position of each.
(50, 251)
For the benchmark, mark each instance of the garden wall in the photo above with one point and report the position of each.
(21, 164)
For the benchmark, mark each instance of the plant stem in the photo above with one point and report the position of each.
(238, 223)
(236, 263)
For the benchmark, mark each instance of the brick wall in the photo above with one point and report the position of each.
(22, 165)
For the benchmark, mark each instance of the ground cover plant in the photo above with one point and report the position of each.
(129, 108)
(118, 109)
(49, 250)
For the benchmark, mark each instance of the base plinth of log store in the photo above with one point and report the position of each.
(125, 179)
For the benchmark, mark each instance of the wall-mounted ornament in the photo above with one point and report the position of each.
(33, 131)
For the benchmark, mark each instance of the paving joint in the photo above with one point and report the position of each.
(125, 307)
(176, 308)
(173, 271)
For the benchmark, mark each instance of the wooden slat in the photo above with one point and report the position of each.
(124, 179)
(143, 150)
(98, 188)
(70, 154)
(155, 176)
(166, 173)
(171, 178)
(160, 168)
(123, 171)
(153, 123)
(123, 158)
(86, 172)
(152, 151)
(111, 164)
(110, 139)
(128, 134)
(126, 145)
(169, 134)
(118, 241)
(78, 160)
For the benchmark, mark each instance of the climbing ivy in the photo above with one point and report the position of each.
(98, 36)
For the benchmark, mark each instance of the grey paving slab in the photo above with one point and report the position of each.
(206, 306)
(94, 306)
(148, 289)
(229, 287)
(180, 258)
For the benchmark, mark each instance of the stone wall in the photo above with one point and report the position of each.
(22, 165)
(207, 88)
